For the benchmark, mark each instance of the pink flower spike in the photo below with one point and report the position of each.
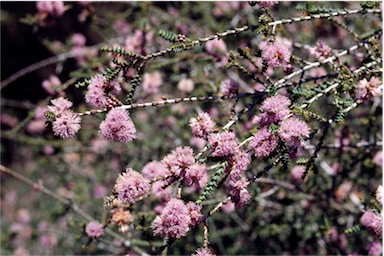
(67, 124)
(94, 229)
(118, 126)
(276, 54)
(174, 220)
(131, 186)
(202, 125)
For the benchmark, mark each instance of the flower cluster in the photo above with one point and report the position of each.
(201, 126)
(275, 110)
(54, 8)
(174, 220)
(94, 229)
(229, 87)
(368, 89)
(373, 222)
(182, 165)
(321, 51)
(118, 126)
(66, 123)
(97, 91)
(157, 170)
(276, 54)
(131, 186)
(223, 143)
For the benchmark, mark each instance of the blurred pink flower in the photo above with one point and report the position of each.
(99, 191)
(54, 8)
(48, 241)
(215, 46)
(379, 194)
(378, 158)
(8, 120)
(229, 88)
(121, 27)
(51, 84)
(373, 222)
(154, 169)
(296, 173)
(375, 249)
(94, 229)
(367, 89)
(186, 85)
(78, 39)
(151, 82)
(266, 4)
(321, 51)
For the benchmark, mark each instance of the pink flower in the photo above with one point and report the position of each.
(161, 191)
(196, 174)
(229, 87)
(379, 194)
(185, 85)
(238, 191)
(274, 109)
(239, 163)
(375, 249)
(276, 54)
(264, 143)
(174, 220)
(151, 82)
(203, 252)
(99, 191)
(201, 126)
(51, 84)
(297, 172)
(373, 222)
(366, 90)
(94, 229)
(118, 126)
(195, 213)
(321, 51)
(178, 160)
(59, 105)
(121, 27)
(154, 169)
(131, 186)
(293, 129)
(48, 241)
(78, 39)
(215, 46)
(266, 4)
(95, 95)
(223, 144)
(67, 124)
(54, 8)
(378, 158)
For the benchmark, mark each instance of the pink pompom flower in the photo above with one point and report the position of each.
(131, 186)
(195, 213)
(223, 144)
(229, 87)
(179, 160)
(276, 54)
(59, 105)
(94, 229)
(321, 51)
(67, 124)
(292, 129)
(266, 4)
(201, 126)
(118, 126)
(174, 220)
(373, 222)
(238, 191)
(264, 143)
